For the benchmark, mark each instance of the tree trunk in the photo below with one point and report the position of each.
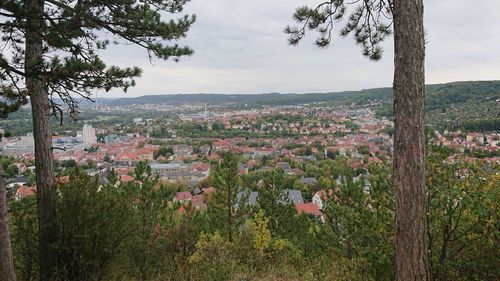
(7, 272)
(42, 135)
(230, 212)
(412, 261)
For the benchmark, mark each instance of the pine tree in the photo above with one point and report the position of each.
(52, 57)
(269, 196)
(371, 22)
(227, 185)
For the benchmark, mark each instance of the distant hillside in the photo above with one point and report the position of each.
(437, 96)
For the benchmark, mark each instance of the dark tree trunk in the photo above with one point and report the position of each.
(7, 272)
(43, 139)
(412, 262)
(229, 212)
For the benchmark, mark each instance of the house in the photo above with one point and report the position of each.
(208, 192)
(308, 181)
(363, 179)
(242, 169)
(321, 197)
(293, 196)
(474, 137)
(266, 169)
(127, 158)
(146, 153)
(126, 178)
(182, 197)
(171, 171)
(252, 197)
(197, 198)
(202, 206)
(222, 145)
(285, 167)
(308, 209)
(303, 159)
(198, 203)
(24, 191)
(197, 191)
(259, 153)
(200, 170)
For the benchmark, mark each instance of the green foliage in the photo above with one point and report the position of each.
(261, 233)
(10, 100)
(24, 235)
(463, 219)
(164, 151)
(268, 198)
(68, 163)
(213, 258)
(227, 183)
(133, 231)
(369, 23)
(352, 207)
(93, 224)
(92, 149)
(364, 150)
(482, 125)
(218, 127)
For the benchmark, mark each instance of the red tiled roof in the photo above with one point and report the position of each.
(308, 208)
(222, 143)
(145, 150)
(127, 156)
(201, 167)
(126, 178)
(25, 191)
(197, 199)
(207, 192)
(183, 195)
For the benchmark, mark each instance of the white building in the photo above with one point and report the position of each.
(25, 145)
(88, 134)
(27, 140)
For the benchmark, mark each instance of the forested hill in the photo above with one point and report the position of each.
(437, 96)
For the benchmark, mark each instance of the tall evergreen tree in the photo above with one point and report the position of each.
(371, 22)
(227, 184)
(51, 55)
(269, 196)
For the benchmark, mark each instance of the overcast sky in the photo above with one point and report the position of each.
(240, 47)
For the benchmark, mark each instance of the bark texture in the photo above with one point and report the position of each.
(42, 135)
(7, 272)
(412, 262)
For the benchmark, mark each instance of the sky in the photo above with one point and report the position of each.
(240, 48)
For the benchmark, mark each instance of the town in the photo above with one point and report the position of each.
(183, 151)
(255, 140)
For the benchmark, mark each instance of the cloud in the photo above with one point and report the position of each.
(240, 47)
